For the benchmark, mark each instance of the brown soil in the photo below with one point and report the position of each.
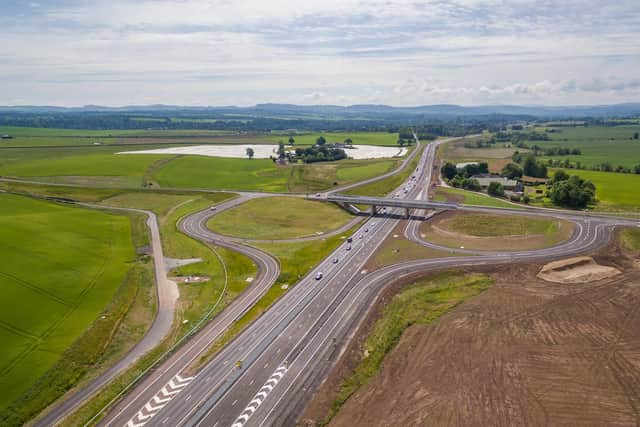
(576, 270)
(524, 352)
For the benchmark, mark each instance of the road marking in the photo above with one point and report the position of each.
(259, 397)
(159, 401)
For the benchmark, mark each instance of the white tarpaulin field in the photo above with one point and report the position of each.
(264, 151)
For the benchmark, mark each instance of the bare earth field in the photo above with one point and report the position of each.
(524, 352)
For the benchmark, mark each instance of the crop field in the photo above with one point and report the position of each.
(278, 218)
(366, 138)
(61, 266)
(598, 144)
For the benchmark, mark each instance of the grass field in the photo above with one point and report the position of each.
(613, 144)
(61, 266)
(470, 198)
(630, 238)
(422, 302)
(496, 232)
(278, 218)
(614, 191)
(484, 225)
(387, 185)
(363, 138)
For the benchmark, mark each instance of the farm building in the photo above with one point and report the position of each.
(486, 179)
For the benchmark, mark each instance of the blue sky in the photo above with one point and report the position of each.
(396, 52)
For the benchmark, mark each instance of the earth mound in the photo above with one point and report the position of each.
(576, 270)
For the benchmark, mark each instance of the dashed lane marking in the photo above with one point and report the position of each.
(259, 397)
(159, 401)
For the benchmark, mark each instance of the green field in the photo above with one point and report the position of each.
(484, 225)
(614, 191)
(630, 238)
(278, 218)
(471, 198)
(61, 266)
(421, 303)
(613, 144)
(99, 166)
(362, 138)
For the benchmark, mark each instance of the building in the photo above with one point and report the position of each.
(5, 136)
(486, 179)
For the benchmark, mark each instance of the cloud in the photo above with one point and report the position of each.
(402, 52)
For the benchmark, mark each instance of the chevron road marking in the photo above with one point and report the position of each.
(259, 397)
(159, 401)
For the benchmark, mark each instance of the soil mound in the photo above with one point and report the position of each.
(576, 270)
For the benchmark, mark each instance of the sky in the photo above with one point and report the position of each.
(341, 52)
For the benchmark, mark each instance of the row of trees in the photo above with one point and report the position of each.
(603, 167)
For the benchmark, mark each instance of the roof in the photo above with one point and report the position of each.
(484, 182)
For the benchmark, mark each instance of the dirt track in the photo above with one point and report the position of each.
(525, 352)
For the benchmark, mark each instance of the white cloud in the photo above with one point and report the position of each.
(322, 51)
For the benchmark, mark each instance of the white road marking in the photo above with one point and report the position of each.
(159, 401)
(259, 397)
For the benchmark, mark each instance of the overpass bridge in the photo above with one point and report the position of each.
(376, 202)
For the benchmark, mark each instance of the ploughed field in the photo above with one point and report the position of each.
(60, 266)
(523, 352)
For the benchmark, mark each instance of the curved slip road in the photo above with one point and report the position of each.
(167, 295)
(290, 348)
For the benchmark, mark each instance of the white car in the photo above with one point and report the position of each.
(319, 276)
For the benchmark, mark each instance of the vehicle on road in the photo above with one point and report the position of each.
(350, 239)
(349, 247)
(366, 230)
(335, 260)
(212, 208)
(319, 276)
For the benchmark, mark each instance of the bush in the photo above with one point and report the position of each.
(496, 189)
(449, 170)
(574, 192)
(512, 170)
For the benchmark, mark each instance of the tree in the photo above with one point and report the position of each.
(449, 170)
(281, 151)
(471, 184)
(532, 167)
(348, 141)
(512, 170)
(636, 169)
(635, 135)
(483, 167)
(401, 142)
(321, 140)
(516, 157)
(495, 189)
(291, 140)
(560, 175)
(574, 192)
(250, 152)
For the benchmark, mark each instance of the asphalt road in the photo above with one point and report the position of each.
(287, 352)
(167, 295)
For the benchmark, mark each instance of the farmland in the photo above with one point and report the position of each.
(364, 138)
(65, 264)
(278, 218)
(614, 191)
(99, 166)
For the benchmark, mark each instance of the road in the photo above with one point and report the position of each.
(287, 352)
(167, 295)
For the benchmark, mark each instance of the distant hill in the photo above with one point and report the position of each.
(363, 111)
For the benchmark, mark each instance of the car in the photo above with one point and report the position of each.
(349, 247)
(335, 260)
(317, 194)
(366, 230)
(350, 239)
(319, 276)
(361, 236)
(212, 208)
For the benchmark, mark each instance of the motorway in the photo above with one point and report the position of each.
(290, 349)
